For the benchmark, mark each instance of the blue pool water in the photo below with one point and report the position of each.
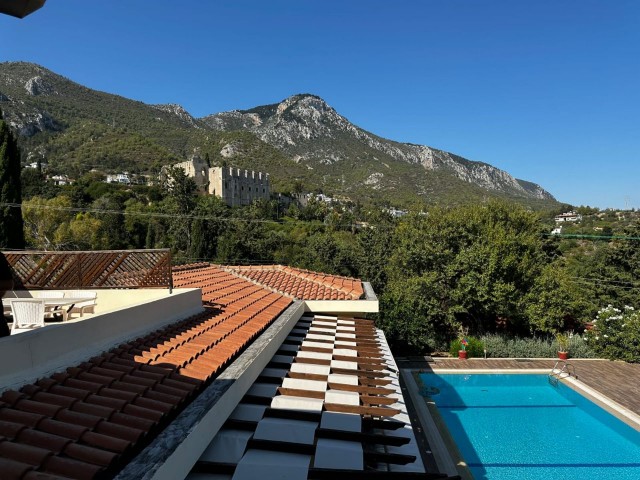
(519, 427)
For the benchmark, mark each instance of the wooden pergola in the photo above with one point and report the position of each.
(20, 8)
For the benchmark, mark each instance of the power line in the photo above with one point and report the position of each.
(184, 216)
(589, 237)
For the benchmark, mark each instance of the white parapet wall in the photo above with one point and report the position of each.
(120, 316)
(347, 307)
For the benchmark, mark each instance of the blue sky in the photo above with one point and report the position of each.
(547, 90)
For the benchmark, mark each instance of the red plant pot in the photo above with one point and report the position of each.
(563, 355)
(462, 354)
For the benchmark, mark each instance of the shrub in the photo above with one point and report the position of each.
(616, 334)
(475, 348)
(501, 346)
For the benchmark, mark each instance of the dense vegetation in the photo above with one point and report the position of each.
(490, 270)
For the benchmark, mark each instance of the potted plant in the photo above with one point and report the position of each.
(462, 353)
(563, 345)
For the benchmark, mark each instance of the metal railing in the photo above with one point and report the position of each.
(560, 370)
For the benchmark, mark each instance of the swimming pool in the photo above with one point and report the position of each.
(519, 427)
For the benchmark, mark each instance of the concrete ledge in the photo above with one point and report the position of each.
(347, 307)
(369, 294)
(179, 446)
(28, 356)
(438, 446)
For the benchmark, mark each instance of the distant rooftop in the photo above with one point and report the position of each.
(302, 284)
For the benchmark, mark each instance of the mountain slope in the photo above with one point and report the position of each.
(299, 140)
(311, 131)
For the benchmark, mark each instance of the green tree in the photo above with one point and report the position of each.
(210, 222)
(554, 303)
(44, 218)
(477, 263)
(11, 223)
(179, 205)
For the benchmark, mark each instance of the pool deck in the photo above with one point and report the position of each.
(618, 381)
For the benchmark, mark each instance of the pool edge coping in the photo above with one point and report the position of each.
(441, 453)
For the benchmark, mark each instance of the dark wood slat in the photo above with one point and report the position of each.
(360, 389)
(361, 410)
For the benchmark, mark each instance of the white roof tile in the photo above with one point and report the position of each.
(344, 343)
(346, 352)
(311, 385)
(316, 344)
(320, 323)
(343, 398)
(321, 356)
(315, 329)
(347, 335)
(310, 368)
(344, 379)
(343, 364)
(315, 336)
(346, 329)
(297, 403)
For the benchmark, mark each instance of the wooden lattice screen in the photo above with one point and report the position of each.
(95, 269)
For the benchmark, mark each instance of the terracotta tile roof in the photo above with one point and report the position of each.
(301, 284)
(91, 419)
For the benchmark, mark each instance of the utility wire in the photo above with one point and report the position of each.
(588, 237)
(183, 216)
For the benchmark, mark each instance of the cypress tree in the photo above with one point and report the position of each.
(11, 226)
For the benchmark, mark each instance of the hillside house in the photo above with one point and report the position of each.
(122, 178)
(60, 180)
(568, 217)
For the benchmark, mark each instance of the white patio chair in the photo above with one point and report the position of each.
(27, 314)
(87, 306)
(47, 294)
(50, 310)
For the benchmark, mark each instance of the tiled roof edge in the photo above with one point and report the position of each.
(190, 266)
(300, 273)
(177, 439)
(230, 269)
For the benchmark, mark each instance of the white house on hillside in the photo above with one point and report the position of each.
(568, 217)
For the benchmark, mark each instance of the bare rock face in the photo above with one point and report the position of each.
(28, 124)
(312, 132)
(178, 111)
(38, 86)
(231, 149)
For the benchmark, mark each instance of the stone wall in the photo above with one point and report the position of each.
(238, 187)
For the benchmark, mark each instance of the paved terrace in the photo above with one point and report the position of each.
(615, 380)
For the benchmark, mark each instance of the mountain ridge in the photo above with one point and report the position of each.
(301, 139)
(314, 120)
